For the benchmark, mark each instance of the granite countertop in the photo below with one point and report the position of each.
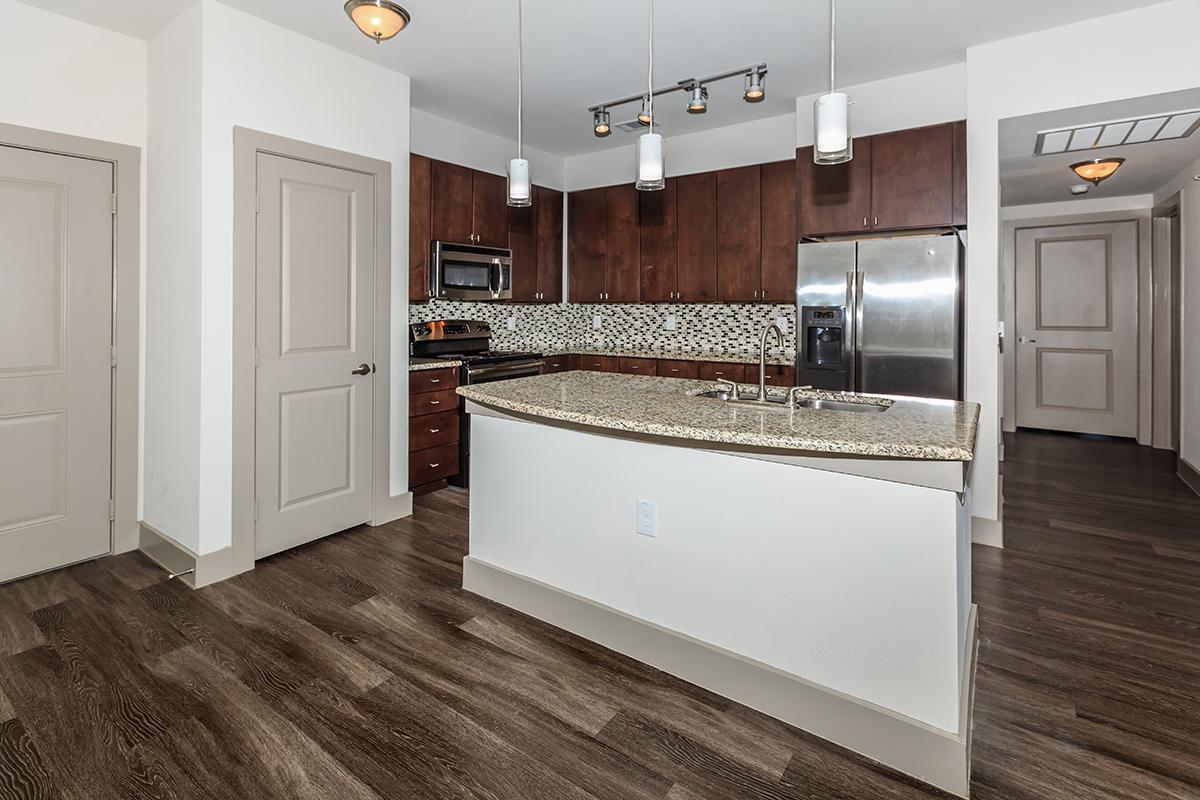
(911, 428)
(677, 355)
(415, 364)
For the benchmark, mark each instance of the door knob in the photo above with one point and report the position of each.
(363, 369)
(1027, 340)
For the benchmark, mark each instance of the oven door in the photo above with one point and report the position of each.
(488, 374)
(463, 272)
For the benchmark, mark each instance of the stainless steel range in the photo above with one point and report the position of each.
(469, 341)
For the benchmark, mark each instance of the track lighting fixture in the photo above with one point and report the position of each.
(600, 124)
(699, 102)
(644, 115)
(755, 92)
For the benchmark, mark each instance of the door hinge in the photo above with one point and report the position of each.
(113, 355)
(112, 509)
(114, 203)
(257, 203)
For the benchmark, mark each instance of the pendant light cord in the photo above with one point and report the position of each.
(650, 70)
(520, 77)
(832, 41)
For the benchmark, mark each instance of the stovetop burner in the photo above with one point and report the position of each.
(490, 357)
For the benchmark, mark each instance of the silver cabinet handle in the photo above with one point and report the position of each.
(363, 369)
(435, 402)
(435, 430)
(866, 223)
(876, 222)
(435, 465)
(435, 380)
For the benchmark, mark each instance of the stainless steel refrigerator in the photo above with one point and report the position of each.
(881, 316)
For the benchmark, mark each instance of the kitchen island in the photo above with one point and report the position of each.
(813, 564)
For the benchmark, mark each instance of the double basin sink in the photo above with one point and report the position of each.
(811, 403)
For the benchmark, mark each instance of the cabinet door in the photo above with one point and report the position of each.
(776, 375)
(523, 240)
(834, 198)
(489, 209)
(586, 241)
(656, 227)
(418, 228)
(548, 206)
(912, 178)
(678, 369)
(739, 237)
(599, 363)
(559, 363)
(637, 366)
(450, 218)
(779, 232)
(960, 172)
(621, 245)
(696, 237)
(711, 370)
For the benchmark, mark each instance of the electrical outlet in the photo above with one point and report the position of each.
(512, 323)
(669, 324)
(647, 517)
(783, 323)
(597, 322)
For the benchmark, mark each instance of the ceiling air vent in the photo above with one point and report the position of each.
(633, 126)
(1157, 128)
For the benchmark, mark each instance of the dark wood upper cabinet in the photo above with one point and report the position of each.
(656, 230)
(912, 178)
(418, 228)
(960, 173)
(621, 244)
(586, 221)
(696, 237)
(548, 208)
(834, 198)
(778, 232)
(452, 187)
(739, 234)
(489, 210)
(523, 241)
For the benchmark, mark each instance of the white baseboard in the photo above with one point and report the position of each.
(929, 754)
(1188, 474)
(392, 509)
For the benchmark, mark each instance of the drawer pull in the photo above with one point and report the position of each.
(435, 380)
(435, 402)
(435, 465)
(435, 430)
(673, 369)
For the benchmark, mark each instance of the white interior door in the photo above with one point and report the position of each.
(56, 251)
(313, 427)
(1077, 328)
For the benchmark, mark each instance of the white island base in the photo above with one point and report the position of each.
(835, 602)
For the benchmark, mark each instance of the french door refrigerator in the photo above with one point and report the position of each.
(881, 316)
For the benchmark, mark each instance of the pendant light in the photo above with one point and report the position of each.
(650, 168)
(831, 111)
(520, 184)
(378, 19)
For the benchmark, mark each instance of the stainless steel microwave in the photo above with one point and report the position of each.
(469, 272)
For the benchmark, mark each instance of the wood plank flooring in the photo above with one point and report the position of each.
(356, 667)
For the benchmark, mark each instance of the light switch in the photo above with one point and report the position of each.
(597, 322)
(669, 324)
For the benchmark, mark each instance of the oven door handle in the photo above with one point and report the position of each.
(505, 371)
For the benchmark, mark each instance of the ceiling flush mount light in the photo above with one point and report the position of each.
(699, 102)
(755, 91)
(520, 184)
(831, 115)
(600, 124)
(1097, 169)
(378, 19)
(651, 171)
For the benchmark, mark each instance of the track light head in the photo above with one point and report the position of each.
(644, 115)
(755, 86)
(698, 103)
(600, 124)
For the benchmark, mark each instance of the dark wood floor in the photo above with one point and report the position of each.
(356, 668)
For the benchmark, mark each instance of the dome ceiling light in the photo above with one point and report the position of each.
(379, 20)
(1097, 169)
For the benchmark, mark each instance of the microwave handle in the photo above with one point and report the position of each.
(495, 279)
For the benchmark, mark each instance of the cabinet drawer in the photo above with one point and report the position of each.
(777, 375)
(432, 430)
(678, 369)
(432, 380)
(433, 464)
(711, 370)
(599, 363)
(637, 366)
(556, 364)
(432, 402)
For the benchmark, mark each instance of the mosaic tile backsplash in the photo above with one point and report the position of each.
(729, 328)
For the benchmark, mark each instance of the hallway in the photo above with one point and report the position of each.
(355, 667)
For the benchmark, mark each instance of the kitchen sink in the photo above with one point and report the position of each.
(811, 403)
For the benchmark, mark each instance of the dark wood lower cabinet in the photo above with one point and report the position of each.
(433, 428)
(678, 369)
(599, 363)
(637, 366)
(560, 363)
(433, 464)
(775, 375)
(712, 370)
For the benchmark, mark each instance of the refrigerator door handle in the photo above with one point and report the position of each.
(850, 342)
(860, 276)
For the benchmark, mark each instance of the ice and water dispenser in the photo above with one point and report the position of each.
(822, 361)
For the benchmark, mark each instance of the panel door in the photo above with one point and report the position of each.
(779, 232)
(834, 198)
(523, 241)
(451, 188)
(56, 245)
(656, 227)
(912, 178)
(1076, 298)
(621, 282)
(586, 242)
(696, 237)
(419, 177)
(313, 426)
(489, 204)
(548, 204)
(739, 235)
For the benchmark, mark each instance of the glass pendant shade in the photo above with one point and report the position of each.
(520, 185)
(650, 168)
(378, 19)
(831, 113)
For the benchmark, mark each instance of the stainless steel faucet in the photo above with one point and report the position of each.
(762, 359)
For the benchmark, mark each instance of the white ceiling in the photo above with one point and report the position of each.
(460, 54)
(1025, 178)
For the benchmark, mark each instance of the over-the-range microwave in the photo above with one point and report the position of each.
(469, 272)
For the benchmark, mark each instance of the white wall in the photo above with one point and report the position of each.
(447, 140)
(1145, 51)
(1090, 205)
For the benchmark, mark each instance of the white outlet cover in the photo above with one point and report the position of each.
(783, 323)
(512, 323)
(597, 322)
(669, 324)
(647, 517)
